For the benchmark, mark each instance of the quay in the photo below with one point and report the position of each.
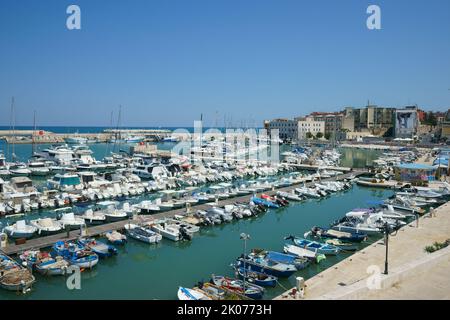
(47, 241)
(413, 273)
(48, 137)
(309, 167)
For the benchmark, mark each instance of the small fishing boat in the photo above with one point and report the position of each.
(258, 278)
(46, 226)
(44, 263)
(280, 270)
(13, 276)
(344, 246)
(100, 248)
(20, 229)
(141, 233)
(299, 262)
(264, 202)
(335, 234)
(302, 252)
(75, 254)
(250, 290)
(314, 246)
(191, 294)
(116, 238)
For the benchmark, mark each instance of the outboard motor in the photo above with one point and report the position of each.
(185, 235)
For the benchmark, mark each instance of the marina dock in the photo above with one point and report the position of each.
(47, 241)
(413, 273)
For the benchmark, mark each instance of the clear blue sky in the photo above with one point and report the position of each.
(167, 61)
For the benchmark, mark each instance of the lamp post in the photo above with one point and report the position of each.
(245, 237)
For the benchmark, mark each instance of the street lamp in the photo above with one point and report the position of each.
(245, 237)
(387, 229)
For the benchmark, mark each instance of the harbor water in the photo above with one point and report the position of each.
(142, 271)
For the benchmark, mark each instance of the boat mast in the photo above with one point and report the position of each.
(33, 146)
(13, 121)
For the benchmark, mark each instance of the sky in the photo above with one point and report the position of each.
(238, 62)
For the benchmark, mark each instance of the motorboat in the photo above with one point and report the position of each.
(93, 217)
(20, 229)
(46, 226)
(142, 233)
(75, 254)
(116, 238)
(44, 263)
(69, 220)
(314, 246)
(100, 248)
(191, 294)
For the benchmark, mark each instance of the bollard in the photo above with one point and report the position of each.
(188, 207)
(3, 240)
(300, 286)
(67, 228)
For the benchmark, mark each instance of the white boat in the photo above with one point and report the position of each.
(191, 294)
(46, 226)
(68, 220)
(142, 233)
(38, 169)
(76, 140)
(93, 217)
(112, 213)
(147, 207)
(20, 229)
(299, 252)
(170, 230)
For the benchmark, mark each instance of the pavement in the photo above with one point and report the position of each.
(413, 272)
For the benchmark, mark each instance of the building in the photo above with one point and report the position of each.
(374, 119)
(333, 121)
(308, 124)
(406, 122)
(414, 172)
(287, 129)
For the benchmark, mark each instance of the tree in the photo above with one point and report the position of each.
(327, 136)
(309, 135)
(319, 135)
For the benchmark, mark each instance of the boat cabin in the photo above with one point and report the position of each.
(2, 184)
(87, 177)
(64, 181)
(22, 184)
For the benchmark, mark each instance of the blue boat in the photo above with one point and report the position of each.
(44, 263)
(100, 248)
(75, 254)
(335, 234)
(264, 202)
(299, 262)
(258, 278)
(314, 246)
(280, 270)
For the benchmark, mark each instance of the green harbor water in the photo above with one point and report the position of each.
(142, 271)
